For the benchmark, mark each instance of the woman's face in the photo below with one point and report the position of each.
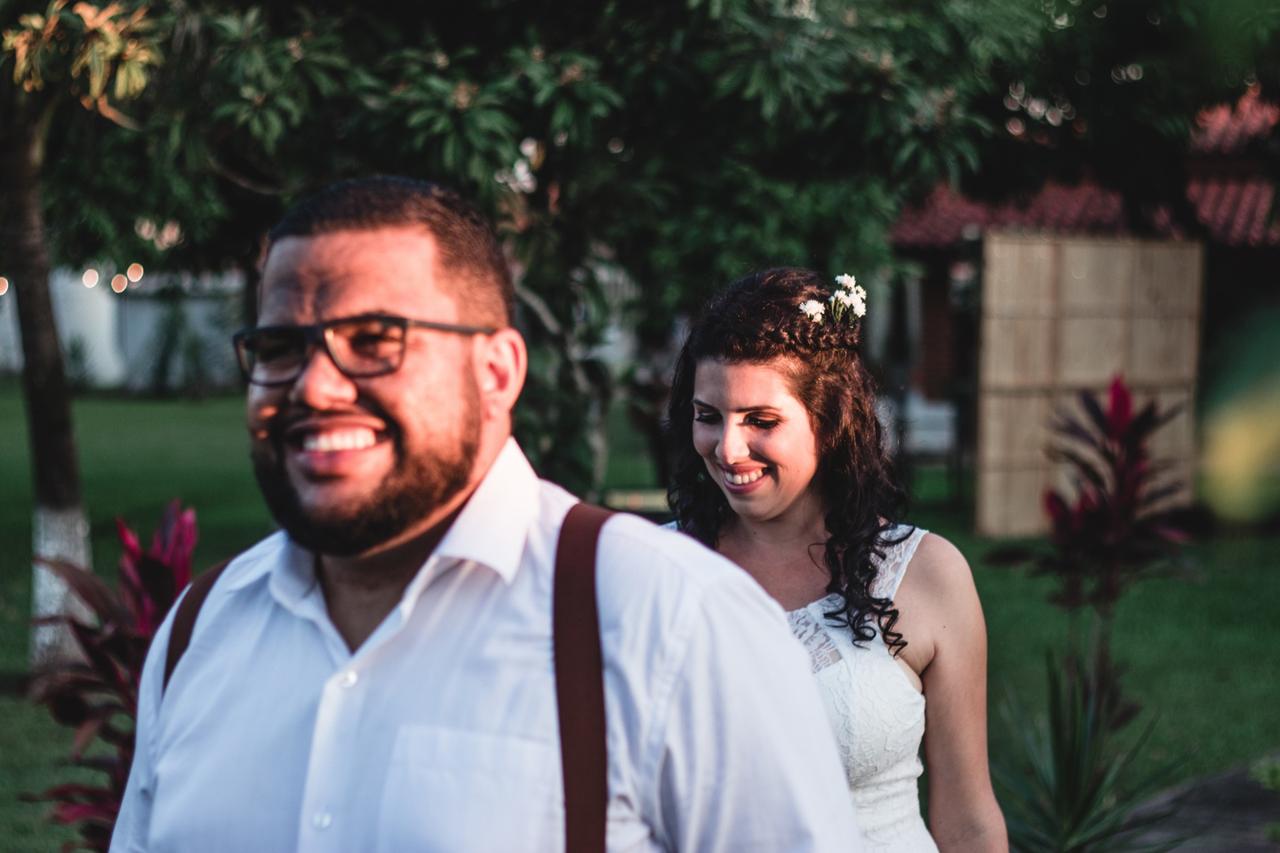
(755, 438)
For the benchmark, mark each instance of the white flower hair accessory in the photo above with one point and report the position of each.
(813, 309)
(849, 300)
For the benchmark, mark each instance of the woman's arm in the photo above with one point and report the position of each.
(943, 604)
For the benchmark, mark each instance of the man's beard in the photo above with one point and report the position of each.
(422, 481)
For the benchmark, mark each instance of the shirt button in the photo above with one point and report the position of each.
(349, 678)
(322, 820)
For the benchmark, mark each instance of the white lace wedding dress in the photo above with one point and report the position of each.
(876, 711)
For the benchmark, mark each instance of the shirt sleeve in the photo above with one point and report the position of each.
(747, 760)
(134, 821)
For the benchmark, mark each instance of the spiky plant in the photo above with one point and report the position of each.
(98, 695)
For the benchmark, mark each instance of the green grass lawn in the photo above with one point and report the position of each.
(1203, 656)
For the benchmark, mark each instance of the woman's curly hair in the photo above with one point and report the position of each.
(757, 319)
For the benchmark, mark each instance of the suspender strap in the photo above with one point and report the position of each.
(184, 621)
(580, 680)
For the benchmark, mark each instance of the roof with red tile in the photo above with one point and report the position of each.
(1236, 210)
(1228, 128)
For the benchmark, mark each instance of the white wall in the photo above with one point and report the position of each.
(203, 355)
(120, 335)
(87, 320)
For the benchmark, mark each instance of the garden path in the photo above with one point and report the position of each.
(1220, 813)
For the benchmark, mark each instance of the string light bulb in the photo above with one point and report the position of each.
(134, 272)
(90, 278)
(119, 283)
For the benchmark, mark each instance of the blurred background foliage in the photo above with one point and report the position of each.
(677, 145)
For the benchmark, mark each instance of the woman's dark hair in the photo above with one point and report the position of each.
(757, 319)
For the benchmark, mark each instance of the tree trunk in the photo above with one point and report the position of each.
(60, 530)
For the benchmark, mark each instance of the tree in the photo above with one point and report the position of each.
(675, 145)
(96, 57)
(1111, 90)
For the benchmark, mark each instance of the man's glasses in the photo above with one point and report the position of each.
(360, 347)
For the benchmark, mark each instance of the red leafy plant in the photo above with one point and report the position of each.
(1119, 528)
(1071, 781)
(98, 695)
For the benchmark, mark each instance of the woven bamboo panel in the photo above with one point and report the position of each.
(1017, 352)
(1065, 314)
(1019, 279)
(1016, 428)
(1090, 350)
(1163, 351)
(1020, 513)
(1097, 280)
(1167, 283)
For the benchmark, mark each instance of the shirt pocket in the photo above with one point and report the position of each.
(461, 791)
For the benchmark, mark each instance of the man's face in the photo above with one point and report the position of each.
(346, 465)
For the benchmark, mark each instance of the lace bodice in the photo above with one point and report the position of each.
(876, 712)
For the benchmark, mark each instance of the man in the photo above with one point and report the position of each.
(378, 675)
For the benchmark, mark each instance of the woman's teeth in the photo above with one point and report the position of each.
(743, 479)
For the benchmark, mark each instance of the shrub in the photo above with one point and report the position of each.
(1115, 531)
(98, 696)
(1074, 788)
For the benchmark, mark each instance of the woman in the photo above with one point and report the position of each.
(780, 467)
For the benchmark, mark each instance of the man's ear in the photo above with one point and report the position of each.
(501, 362)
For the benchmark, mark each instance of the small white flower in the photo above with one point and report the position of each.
(844, 297)
(847, 281)
(860, 308)
(860, 292)
(813, 309)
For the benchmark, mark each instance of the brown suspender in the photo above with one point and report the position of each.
(184, 621)
(575, 629)
(579, 668)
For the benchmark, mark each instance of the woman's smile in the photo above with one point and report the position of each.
(755, 437)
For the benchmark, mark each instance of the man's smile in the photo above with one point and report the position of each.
(331, 446)
(339, 439)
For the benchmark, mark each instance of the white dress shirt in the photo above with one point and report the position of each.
(440, 732)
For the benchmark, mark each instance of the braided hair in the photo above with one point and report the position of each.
(757, 319)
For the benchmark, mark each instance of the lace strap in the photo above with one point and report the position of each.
(893, 568)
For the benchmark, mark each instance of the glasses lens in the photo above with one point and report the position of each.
(273, 355)
(366, 346)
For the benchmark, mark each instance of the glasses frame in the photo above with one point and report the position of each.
(316, 336)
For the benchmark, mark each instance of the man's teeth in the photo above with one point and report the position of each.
(743, 479)
(348, 439)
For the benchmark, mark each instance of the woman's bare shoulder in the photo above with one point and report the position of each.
(939, 575)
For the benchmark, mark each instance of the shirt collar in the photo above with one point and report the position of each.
(276, 551)
(491, 530)
(289, 571)
(492, 527)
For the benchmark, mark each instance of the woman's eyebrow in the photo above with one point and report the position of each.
(762, 407)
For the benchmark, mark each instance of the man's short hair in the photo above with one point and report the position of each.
(469, 249)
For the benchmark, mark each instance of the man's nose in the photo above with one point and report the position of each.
(320, 383)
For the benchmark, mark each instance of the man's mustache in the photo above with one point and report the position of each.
(273, 425)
